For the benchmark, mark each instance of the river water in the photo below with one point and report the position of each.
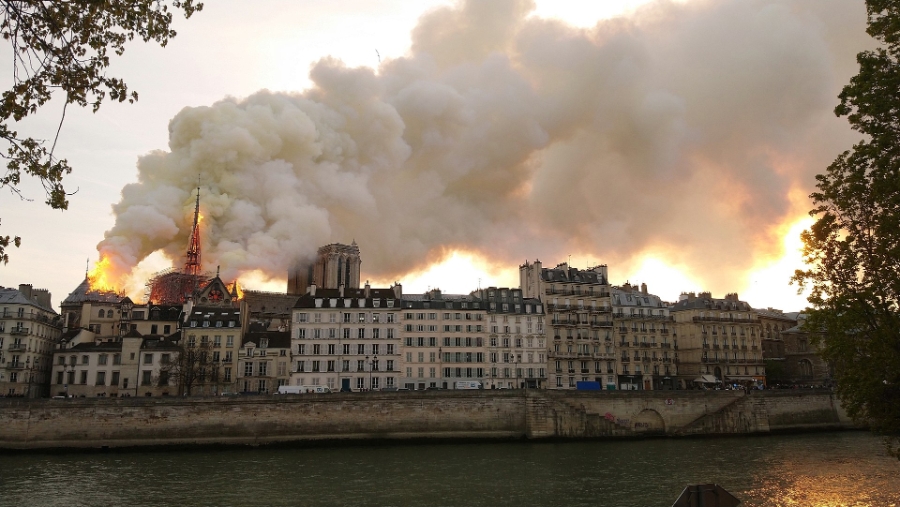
(817, 470)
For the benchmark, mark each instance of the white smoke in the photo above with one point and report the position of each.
(681, 129)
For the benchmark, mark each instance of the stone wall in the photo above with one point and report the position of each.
(534, 414)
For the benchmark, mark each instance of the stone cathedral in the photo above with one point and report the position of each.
(335, 265)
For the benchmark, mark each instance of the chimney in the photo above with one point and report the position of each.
(25, 289)
(312, 289)
(644, 288)
(367, 288)
(398, 291)
(341, 291)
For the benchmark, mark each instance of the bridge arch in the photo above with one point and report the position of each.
(649, 422)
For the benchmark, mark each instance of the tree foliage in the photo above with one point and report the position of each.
(853, 248)
(65, 46)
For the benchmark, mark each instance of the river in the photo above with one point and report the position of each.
(816, 470)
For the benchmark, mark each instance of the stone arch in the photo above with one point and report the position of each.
(648, 421)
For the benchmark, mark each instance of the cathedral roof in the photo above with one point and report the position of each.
(83, 293)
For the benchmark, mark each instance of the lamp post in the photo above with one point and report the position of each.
(516, 365)
(371, 368)
(30, 377)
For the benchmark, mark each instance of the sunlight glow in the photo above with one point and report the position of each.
(768, 283)
(662, 279)
(458, 273)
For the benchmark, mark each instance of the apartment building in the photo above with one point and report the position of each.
(347, 339)
(29, 329)
(264, 360)
(443, 340)
(517, 344)
(719, 341)
(646, 334)
(134, 365)
(579, 334)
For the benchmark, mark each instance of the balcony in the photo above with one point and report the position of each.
(623, 329)
(601, 324)
(15, 366)
(706, 346)
(663, 331)
(18, 330)
(585, 372)
(715, 346)
(666, 360)
(625, 359)
(17, 347)
(624, 344)
(665, 345)
(743, 347)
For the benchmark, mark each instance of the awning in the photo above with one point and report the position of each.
(706, 379)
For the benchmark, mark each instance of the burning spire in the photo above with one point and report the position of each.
(192, 263)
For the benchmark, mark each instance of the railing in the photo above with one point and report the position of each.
(715, 346)
(665, 345)
(725, 319)
(705, 345)
(623, 329)
(18, 330)
(16, 366)
(625, 359)
(17, 347)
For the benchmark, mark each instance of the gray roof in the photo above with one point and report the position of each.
(704, 303)
(83, 293)
(572, 275)
(13, 296)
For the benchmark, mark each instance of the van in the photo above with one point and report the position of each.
(303, 390)
(468, 384)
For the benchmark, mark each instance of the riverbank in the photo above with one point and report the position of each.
(444, 415)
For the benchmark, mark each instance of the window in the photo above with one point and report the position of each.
(263, 368)
(228, 374)
(101, 378)
(229, 341)
(148, 358)
(117, 359)
(248, 369)
(145, 377)
(115, 379)
(84, 360)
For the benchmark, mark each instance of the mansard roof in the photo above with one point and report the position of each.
(277, 339)
(332, 298)
(572, 275)
(13, 296)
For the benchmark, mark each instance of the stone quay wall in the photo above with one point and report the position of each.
(502, 414)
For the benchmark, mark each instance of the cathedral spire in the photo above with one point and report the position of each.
(192, 264)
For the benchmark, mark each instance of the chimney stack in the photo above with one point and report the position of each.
(644, 288)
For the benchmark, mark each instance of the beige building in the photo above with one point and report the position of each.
(347, 339)
(264, 361)
(645, 339)
(29, 329)
(579, 322)
(444, 341)
(718, 341)
(131, 366)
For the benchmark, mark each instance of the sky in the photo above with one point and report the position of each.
(675, 141)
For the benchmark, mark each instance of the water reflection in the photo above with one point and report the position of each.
(819, 470)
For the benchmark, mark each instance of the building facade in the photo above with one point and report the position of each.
(718, 342)
(579, 314)
(29, 329)
(517, 343)
(347, 339)
(264, 360)
(335, 265)
(646, 334)
(444, 340)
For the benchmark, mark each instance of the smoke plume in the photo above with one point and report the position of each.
(680, 129)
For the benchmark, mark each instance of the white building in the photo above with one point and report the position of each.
(444, 340)
(347, 339)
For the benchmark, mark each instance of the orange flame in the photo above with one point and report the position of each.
(99, 276)
(240, 290)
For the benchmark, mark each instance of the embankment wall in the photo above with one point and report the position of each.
(534, 414)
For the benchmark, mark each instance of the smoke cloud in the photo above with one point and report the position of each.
(680, 130)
